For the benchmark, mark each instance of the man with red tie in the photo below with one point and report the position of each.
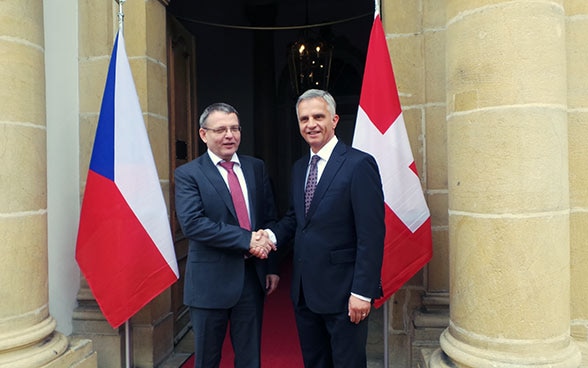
(220, 197)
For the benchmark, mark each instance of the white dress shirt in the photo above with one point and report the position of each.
(225, 174)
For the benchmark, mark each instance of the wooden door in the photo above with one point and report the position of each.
(183, 119)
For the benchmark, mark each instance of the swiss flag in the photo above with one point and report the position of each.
(380, 131)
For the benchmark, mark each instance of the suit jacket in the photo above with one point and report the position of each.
(217, 244)
(338, 245)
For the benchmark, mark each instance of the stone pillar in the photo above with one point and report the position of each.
(27, 332)
(508, 186)
(576, 30)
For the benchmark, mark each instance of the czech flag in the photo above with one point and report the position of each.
(380, 131)
(124, 246)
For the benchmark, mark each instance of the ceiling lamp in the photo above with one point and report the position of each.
(309, 61)
(310, 64)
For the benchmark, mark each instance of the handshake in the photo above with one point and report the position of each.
(261, 245)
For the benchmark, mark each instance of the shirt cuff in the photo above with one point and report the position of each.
(362, 297)
(271, 236)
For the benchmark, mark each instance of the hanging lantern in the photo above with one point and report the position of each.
(310, 64)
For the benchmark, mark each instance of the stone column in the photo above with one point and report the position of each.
(508, 186)
(27, 331)
(576, 30)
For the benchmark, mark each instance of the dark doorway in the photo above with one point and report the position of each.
(241, 58)
(236, 51)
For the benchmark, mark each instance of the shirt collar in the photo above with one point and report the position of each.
(325, 152)
(217, 160)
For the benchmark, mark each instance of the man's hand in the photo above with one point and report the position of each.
(271, 283)
(358, 309)
(260, 245)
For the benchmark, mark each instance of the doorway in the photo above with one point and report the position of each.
(237, 52)
(242, 59)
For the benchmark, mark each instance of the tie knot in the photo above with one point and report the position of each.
(228, 165)
(314, 160)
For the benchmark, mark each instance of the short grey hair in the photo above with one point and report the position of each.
(218, 106)
(318, 93)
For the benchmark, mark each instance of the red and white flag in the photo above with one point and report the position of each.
(124, 246)
(380, 131)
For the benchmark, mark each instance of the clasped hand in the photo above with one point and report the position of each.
(261, 245)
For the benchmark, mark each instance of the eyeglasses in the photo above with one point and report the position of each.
(224, 130)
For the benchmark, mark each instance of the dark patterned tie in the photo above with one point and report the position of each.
(311, 182)
(237, 195)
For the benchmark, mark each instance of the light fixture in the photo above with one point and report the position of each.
(309, 60)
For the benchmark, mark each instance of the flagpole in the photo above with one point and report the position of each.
(121, 14)
(385, 311)
(385, 323)
(121, 21)
(127, 344)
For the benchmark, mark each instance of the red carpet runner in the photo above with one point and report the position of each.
(279, 345)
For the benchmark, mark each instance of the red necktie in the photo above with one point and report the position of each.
(311, 182)
(237, 195)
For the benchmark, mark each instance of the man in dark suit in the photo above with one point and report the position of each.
(227, 268)
(338, 239)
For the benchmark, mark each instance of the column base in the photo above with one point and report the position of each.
(31, 341)
(53, 352)
(35, 355)
(500, 353)
(440, 360)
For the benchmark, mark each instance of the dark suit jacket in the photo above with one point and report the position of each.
(338, 246)
(215, 267)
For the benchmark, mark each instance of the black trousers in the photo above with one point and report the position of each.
(330, 340)
(244, 319)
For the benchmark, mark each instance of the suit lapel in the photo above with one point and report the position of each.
(298, 186)
(333, 166)
(212, 174)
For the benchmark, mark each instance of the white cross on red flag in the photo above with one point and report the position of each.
(380, 131)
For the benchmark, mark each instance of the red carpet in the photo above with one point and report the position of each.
(279, 345)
